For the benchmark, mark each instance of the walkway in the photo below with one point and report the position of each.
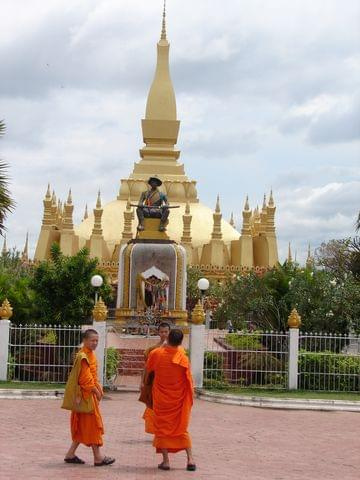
(230, 443)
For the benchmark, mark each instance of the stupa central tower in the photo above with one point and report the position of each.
(160, 129)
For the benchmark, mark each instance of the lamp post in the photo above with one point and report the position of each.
(203, 285)
(96, 282)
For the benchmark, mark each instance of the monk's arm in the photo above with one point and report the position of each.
(86, 381)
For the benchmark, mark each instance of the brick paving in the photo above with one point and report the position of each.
(230, 442)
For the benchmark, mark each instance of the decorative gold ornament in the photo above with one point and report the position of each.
(198, 314)
(6, 310)
(100, 311)
(294, 320)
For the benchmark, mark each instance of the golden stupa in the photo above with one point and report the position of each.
(210, 242)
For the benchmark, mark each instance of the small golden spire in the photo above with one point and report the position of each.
(98, 201)
(289, 258)
(4, 249)
(217, 207)
(309, 260)
(69, 199)
(246, 207)
(25, 252)
(271, 199)
(163, 27)
(264, 202)
(86, 213)
(187, 208)
(232, 223)
(48, 193)
(53, 198)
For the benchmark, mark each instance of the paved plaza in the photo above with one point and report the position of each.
(230, 442)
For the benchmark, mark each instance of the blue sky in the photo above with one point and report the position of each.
(268, 94)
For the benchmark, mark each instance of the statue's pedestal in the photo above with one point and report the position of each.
(151, 231)
(151, 259)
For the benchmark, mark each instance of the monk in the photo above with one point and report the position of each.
(87, 428)
(172, 399)
(163, 331)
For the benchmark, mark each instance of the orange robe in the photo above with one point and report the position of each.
(148, 415)
(172, 397)
(87, 428)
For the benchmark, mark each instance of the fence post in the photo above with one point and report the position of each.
(294, 322)
(5, 314)
(197, 347)
(99, 315)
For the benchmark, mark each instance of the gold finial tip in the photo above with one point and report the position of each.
(163, 27)
(217, 207)
(246, 207)
(69, 199)
(271, 199)
(98, 201)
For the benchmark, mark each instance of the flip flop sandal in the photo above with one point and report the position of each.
(163, 467)
(191, 467)
(75, 459)
(106, 461)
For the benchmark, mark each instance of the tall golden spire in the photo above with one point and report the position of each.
(186, 236)
(217, 233)
(161, 103)
(128, 218)
(86, 213)
(98, 211)
(68, 213)
(246, 228)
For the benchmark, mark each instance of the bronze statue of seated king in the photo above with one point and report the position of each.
(153, 204)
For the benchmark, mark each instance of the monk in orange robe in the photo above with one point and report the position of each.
(172, 399)
(87, 428)
(163, 331)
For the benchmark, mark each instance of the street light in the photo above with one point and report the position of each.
(203, 284)
(96, 281)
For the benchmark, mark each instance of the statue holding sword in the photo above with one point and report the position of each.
(153, 204)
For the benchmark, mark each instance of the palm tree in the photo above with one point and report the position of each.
(6, 202)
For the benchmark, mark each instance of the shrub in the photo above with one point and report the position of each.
(112, 362)
(328, 371)
(244, 342)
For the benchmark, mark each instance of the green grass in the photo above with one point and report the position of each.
(32, 385)
(300, 394)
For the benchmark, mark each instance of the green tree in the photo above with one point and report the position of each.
(62, 285)
(6, 202)
(214, 293)
(15, 285)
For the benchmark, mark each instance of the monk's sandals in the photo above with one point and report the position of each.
(106, 461)
(163, 467)
(75, 459)
(191, 467)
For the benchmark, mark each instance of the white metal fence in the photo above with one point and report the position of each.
(245, 359)
(322, 362)
(41, 353)
(329, 362)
